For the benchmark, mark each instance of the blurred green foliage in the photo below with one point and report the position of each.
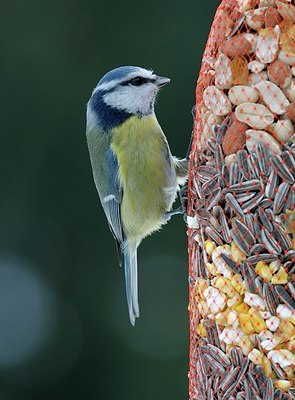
(64, 328)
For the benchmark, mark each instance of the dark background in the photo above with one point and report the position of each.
(64, 328)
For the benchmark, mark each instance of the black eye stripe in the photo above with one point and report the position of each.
(137, 81)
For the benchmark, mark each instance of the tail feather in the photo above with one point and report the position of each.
(130, 267)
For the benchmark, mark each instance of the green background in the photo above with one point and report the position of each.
(64, 329)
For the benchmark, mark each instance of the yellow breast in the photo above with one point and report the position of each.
(141, 149)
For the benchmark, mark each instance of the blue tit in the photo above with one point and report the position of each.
(136, 176)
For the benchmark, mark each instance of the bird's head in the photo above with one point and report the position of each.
(130, 90)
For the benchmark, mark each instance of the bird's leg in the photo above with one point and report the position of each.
(182, 167)
(169, 214)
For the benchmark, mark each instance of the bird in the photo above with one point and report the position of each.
(135, 174)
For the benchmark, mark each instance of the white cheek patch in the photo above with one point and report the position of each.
(133, 99)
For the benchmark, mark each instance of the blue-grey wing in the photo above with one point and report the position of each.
(105, 173)
(111, 201)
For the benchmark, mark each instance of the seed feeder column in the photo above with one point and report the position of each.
(241, 217)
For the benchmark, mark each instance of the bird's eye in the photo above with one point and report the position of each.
(138, 80)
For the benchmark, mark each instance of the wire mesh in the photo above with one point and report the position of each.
(241, 209)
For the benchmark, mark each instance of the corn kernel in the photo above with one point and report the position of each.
(242, 308)
(263, 270)
(237, 282)
(202, 307)
(281, 277)
(266, 365)
(232, 319)
(286, 329)
(237, 299)
(257, 322)
(224, 285)
(212, 269)
(256, 356)
(291, 345)
(282, 384)
(210, 247)
(221, 318)
(246, 345)
(236, 254)
(290, 372)
(201, 285)
(201, 330)
(246, 324)
(290, 221)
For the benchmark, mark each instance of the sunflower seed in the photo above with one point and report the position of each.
(210, 185)
(270, 243)
(278, 394)
(205, 172)
(233, 173)
(249, 222)
(209, 388)
(214, 198)
(259, 285)
(250, 185)
(265, 203)
(291, 289)
(244, 232)
(231, 263)
(252, 382)
(236, 355)
(224, 176)
(249, 277)
(290, 203)
(212, 328)
(241, 373)
(282, 169)
(229, 378)
(216, 367)
(282, 237)
(284, 296)
(286, 396)
(289, 256)
(214, 235)
(249, 205)
(269, 298)
(280, 197)
(198, 187)
(253, 166)
(212, 144)
(278, 370)
(240, 241)
(225, 228)
(256, 250)
(214, 221)
(271, 185)
(261, 257)
(259, 374)
(242, 156)
(232, 202)
(216, 383)
(291, 392)
(289, 160)
(219, 355)
(219, 158)
(264, 218)
(241, 396)
(263, 158)
(269, 390)
(242, 197)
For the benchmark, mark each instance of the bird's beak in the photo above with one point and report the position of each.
(162, 81)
